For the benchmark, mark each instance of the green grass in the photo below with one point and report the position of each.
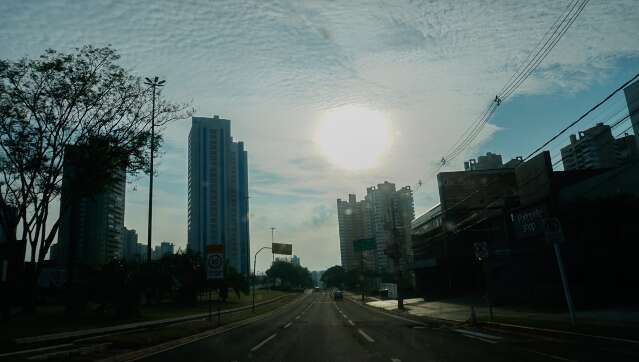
(124, 343)
(52, 318)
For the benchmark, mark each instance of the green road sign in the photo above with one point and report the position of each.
(364, 244)
(283, 249)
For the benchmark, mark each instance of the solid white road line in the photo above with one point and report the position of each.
(263, 343)
(481, 339)
(287, 325)
(366, 336)
(351, 322)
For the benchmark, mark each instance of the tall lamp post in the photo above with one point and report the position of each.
(254, 265)
(273, 239)
(153, 84)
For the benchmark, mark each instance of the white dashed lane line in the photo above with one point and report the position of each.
(263, 343)
(366, 336)
(351, 322)
(488, 338)
(287, 325)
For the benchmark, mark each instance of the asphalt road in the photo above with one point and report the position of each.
(316, 328)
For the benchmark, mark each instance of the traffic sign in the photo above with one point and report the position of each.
(215, 262)
(282, 249)
(553, 231)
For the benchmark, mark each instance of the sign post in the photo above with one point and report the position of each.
(555, 235)
(214, 268)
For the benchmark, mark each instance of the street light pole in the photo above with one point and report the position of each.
(273, 240)
(153, 83)
(254, 265)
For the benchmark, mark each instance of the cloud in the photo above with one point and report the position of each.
(274, 67)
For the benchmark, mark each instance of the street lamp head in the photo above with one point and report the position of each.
(155, 82)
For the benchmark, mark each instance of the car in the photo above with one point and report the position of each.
(338, 295)
(316, 289)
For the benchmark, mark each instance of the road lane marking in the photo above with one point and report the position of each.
(366, 336)
(298, 317)
(418, 327)
(396, 360)
(477, 334)
(351, 322)
(263, 342)
(479, 338)
(287, 325)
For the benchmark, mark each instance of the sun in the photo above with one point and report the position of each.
(353, 137)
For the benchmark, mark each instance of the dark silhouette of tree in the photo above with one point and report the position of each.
(291, 275)
(82, 99)
(233, 280)
(334, 277)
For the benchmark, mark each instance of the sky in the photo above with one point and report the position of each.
(279, 69)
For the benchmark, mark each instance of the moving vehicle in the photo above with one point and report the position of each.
(338, 295)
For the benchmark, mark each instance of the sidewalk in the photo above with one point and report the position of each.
(618, 322)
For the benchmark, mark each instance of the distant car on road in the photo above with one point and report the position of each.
(316, 289)
(338, 295)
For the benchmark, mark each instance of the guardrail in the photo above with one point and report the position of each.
(64, 336)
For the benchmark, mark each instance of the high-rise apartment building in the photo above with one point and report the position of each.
(130, 245)
(218, 191)
(597, 148)
(384, 215)
(354, 223)
(91, 227)
(165, 248)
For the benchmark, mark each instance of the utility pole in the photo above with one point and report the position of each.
(361, 270)
(394, 251)
(153, 83)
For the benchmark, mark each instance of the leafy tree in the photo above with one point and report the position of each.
(58, 100)
(186, 275)
(334, 277)
(233, 280)
(291, 275)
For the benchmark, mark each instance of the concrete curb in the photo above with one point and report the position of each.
(557, 332)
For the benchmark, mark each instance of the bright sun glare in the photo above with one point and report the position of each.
(353, 137)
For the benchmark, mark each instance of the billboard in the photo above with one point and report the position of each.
(282, 249)
(534, 179)
(462, 191)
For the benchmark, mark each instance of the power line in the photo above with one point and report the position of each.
(475, 213)
(581, 118)
(552, 37)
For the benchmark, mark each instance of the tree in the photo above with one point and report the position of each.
(83, 99)
(334, 277)
(291, 275)
(234, 280)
